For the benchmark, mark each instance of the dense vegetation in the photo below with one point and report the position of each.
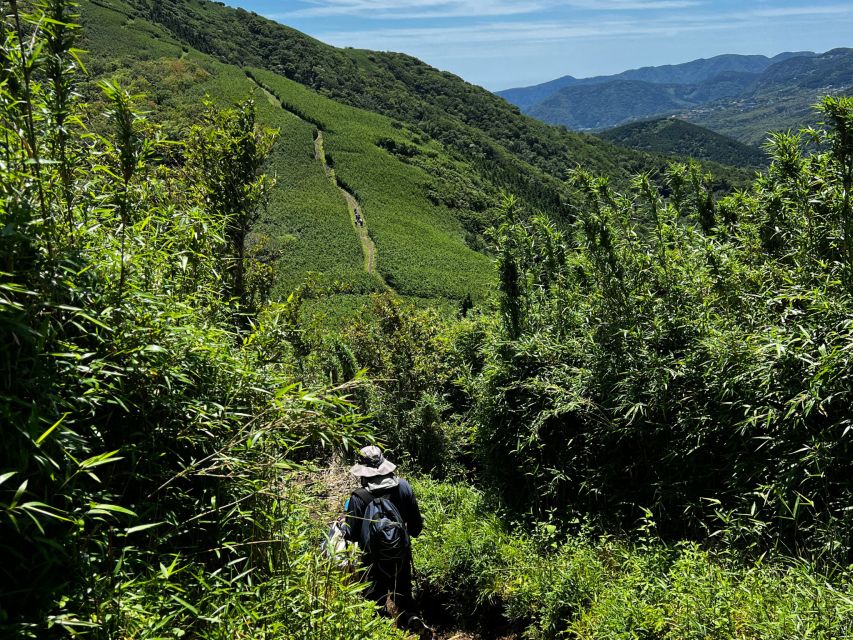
(685, 140)
(689, 358)
(554, 585)
(673, 366)
(677, 354)
(654, 406)
(148, 406)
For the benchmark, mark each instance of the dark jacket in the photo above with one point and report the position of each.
(401, 496)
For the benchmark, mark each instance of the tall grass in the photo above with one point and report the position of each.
(150, 415)
(548, 582)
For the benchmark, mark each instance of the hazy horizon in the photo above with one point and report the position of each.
(501, 44)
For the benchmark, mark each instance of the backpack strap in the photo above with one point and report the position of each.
(364, 494)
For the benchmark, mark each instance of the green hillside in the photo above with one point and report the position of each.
(420, 205)
(422, 154)
(680, 138)
(467, 118)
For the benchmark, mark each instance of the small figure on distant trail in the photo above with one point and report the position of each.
(381, 516)
(358, 219)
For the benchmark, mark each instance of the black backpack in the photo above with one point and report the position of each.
(385, 541)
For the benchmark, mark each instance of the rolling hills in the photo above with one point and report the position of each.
(739, 96)
(424, 154)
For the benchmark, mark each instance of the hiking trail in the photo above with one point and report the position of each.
(331, 486)
(367, 244)
(356, 210)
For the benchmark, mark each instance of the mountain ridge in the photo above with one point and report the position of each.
(709, 92)
(689, 72)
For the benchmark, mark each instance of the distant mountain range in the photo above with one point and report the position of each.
(736, 95)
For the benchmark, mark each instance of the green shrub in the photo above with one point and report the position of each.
(547, 584)
(683, 355)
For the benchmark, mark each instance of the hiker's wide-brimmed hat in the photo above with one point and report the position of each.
(371, 463)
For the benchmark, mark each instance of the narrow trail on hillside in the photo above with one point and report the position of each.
(356, 210)
(331, 486)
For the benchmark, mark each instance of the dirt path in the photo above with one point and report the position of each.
(368, 247)
(331, 486)
(367, 244)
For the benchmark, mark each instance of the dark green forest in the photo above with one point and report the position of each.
(685, 140)
(638, 426)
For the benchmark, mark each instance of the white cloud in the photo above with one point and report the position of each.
(522, 32)
(417, 9)
(502, 32)
(414, 9)
(785, 12)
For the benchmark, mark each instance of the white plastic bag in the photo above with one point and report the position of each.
(340, 550)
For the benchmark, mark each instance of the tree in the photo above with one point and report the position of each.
(226, 155)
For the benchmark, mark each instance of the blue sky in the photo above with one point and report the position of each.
(506, 43)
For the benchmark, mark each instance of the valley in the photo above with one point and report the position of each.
(742, 97)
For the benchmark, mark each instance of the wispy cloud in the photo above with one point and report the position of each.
(415, 9)
(538, 31)
(810, 10)
(528, 32)
(632, 5)
(436, 9)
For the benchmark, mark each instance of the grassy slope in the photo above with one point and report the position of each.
(420, 245)
(671, 135)
(466, 144)
(421, 248)
(466, 118)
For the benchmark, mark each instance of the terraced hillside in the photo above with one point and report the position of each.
(421, 247)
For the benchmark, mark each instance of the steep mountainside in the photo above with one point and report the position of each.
(421, 155)
(465, 117)
(733, 95)
(423, 210)
(680, 138)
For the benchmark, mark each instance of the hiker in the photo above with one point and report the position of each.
(381, 515)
